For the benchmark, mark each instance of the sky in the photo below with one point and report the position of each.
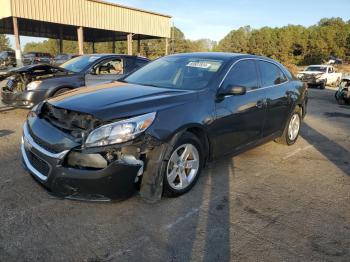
(214, 19)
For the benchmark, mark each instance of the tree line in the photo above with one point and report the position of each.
(292, 44)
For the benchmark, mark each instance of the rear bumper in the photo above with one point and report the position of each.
(26, 99)
(116, 181)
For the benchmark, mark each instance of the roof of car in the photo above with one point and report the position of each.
(221, 56)
(107, 55)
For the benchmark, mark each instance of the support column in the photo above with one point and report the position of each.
(80, 32)
(166, 46)
(113, 46)
(60, 41)
(129, 39)
(138, 45)
(18, 42)
(93, 48)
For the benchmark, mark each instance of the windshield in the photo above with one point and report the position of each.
(317, 68)
(78, 64)
(61, 57)
(177, 73)
(29, 55)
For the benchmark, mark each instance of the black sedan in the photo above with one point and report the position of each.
(159, 126)
(32, 84)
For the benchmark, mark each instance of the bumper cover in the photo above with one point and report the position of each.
(116, 181)
(25, 99)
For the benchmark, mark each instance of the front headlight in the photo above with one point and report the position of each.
(120, 131)
(35, 110)
(33, 85)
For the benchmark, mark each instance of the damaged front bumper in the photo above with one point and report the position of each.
(114, 181)
(25, 99)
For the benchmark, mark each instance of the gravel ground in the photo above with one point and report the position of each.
(272, 203)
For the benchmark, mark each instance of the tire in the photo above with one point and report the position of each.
(323, 85)
(287, 138)
(178, 179)
(60, 91)
(336, 95)
(341, 101)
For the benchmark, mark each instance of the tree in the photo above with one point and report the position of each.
(292, 44)
(4, 43)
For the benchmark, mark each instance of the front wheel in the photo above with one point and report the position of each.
(292, 129)
(184, 166)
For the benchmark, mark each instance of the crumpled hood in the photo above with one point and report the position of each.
(30, 68)
(120, 100)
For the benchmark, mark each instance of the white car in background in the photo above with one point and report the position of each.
(320, 75)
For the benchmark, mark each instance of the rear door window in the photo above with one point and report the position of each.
(271, 74)
(243, 74)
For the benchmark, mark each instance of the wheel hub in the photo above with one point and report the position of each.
(183, 166)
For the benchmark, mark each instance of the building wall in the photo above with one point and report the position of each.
(5, 8)
(90, 13)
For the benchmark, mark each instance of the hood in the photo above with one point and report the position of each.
(120, 100)
(28, 69)
(311, 72)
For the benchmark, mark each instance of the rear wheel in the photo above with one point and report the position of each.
(184, 166)
(292, 129)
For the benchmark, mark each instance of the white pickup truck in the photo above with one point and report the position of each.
(320, 75)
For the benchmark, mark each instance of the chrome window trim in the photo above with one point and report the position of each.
(255, 59)
(30, 140)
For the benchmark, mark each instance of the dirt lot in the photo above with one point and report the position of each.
(272, 203)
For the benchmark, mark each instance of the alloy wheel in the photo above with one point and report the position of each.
(183, 166)
(294, 126)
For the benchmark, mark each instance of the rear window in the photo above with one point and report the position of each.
(317, 68)
(271, 74)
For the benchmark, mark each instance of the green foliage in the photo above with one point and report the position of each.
(292, 44)
(149, 48)
(4, 43)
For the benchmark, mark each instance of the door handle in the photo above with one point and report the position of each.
(260, 103)
(288, 94)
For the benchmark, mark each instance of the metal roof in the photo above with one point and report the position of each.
(95, 15)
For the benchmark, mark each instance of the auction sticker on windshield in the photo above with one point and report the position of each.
(210, 65)
(204, 65)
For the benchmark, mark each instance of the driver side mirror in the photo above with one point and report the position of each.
(92, 71)
(232, 91)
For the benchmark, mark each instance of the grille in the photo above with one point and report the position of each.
(39, 164)
(43, 144)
